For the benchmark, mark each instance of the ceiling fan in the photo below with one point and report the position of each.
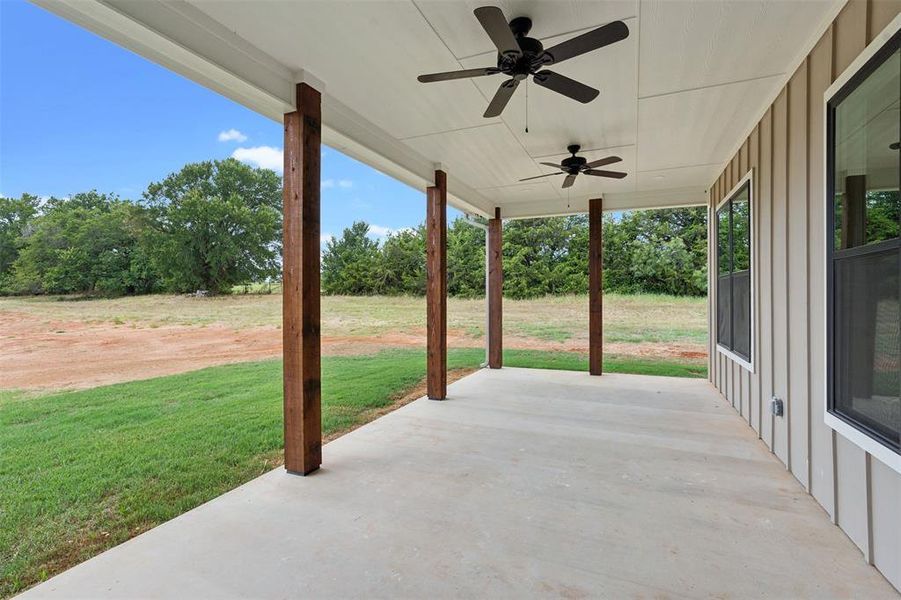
(573, 165)
(520, 56)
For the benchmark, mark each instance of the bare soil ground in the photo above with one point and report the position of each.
(48, 344)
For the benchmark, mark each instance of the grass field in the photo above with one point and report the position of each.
(627, 318)
(85, 470)
(55, 343)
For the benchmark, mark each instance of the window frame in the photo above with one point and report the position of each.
(748, 180)
(872, 57)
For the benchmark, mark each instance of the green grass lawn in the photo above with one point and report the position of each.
(83, 471)
(572, 361)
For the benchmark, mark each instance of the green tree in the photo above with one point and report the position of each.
(229, 178)
(15, 217)
(662, 266)
(86, 244)
(216, 224)
(465, 260)
(538, 260)
(351, 264)
(883, 210)
(573, 267)
(640, 254)
(402, 263)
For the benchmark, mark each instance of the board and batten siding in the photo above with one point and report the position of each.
(785, 151)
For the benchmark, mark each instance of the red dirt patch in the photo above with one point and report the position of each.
(43, 354)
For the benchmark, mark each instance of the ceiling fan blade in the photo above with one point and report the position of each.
(547, 164)
(465, 74)
(540, 176)
(566, 86)
(613, 174)
(495, 25)
(570, 179)
(603, 161)
(592, 40)
(501, 97)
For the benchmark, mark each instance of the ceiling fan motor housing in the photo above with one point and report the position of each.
(529, 61)
(520, 26)
(573, 164)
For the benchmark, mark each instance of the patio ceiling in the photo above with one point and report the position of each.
(677, 95)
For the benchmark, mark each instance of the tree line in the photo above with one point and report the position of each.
(217, 224)
(210, 226)
(662, 251)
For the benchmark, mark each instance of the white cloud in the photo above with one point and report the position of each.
(332, 183)
(265, 157)
(232, 135)
(381, 232)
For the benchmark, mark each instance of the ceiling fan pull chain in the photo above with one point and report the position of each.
(527, 105)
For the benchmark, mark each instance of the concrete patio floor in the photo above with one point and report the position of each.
(522, 483)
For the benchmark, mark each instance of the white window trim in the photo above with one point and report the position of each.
(857, 437)
(741, 361)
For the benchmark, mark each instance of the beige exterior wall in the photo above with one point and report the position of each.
(786, 153)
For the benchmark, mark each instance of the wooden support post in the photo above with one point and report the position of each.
(862, 332)
(436, 287)
(300, 284)
(854, 212)
(595, 287)
(495, 291)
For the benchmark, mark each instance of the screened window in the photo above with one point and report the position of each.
(733, 258)
(864, 321)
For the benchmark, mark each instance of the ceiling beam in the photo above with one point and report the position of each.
(613, 201)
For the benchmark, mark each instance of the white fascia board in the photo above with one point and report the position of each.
(555, 207)
(186, 41)
(347, 131)
(669, 198)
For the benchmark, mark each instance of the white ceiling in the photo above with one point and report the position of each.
(677, 96)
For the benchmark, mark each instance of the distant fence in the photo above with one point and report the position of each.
(269, 287)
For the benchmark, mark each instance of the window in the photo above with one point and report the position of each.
(733, 259)
(863, 252)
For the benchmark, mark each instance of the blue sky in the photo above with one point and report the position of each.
(78, 113)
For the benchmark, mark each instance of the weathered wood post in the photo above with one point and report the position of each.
(595, 287)
(300, 284)
(495, 291)
(436, 287)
